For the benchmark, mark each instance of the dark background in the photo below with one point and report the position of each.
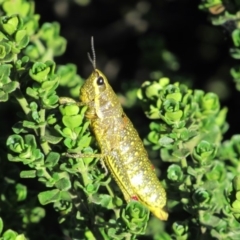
(131, 38)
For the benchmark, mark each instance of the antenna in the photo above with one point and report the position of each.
(93, 58)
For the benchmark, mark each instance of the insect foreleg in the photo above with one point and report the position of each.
(67, 100)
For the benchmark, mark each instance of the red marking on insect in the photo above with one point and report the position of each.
(153, 168)
(124, 122)
(135, 198)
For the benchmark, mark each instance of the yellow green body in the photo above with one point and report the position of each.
(121, 146)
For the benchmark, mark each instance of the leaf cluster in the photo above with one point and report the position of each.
(186, 128)
(77, 188)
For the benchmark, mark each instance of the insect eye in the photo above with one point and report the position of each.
(100, 81)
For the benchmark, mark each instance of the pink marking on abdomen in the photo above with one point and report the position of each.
(135, 198)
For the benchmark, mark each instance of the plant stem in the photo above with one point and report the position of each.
(22, 101)
(184, 163)
(39, 45)
(84, 173)
(44, 144)
(109, 190)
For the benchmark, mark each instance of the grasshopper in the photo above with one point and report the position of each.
(121, 148)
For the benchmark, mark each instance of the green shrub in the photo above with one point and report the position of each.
(37, 178)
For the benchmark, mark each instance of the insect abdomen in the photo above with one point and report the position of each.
(140, 171)
(128, 162)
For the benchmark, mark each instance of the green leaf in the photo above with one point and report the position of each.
(21, 38)
(9, 235)
(106, 201)
(49, 31)
(135, 216)
(69, 143)
(63, 184)
(84, 141)
(204, 152)
(17, 7)
(49, 196)
(236, 205)
(217, 172)
(52, 139)
(68, 133)
(15, 143)
(89, 235)
(21, 237)
(236, 183)
(37, 214)
(28, 174)
(29, 124)
(1, 226)
(52, 159)
(236, 37)
(10, 87)
(50, 102)
(32, 24)
(59, 46)
(181, 153)
(50, 34)
(21, 191)
(6, 54)
(69, 110)
(50, 85)
(66, 196)
(181, 229)
(10, 25)
(174, 173)
(33, 52)
(30, 140)
(3, 96)
(18, 128)
(51, 119)
(4, 73)
(72, 121)
(164, 141)
(235, 53)
(201, 196)
(32, 93)
(210, 103)
(39, 72)
(67, 73)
